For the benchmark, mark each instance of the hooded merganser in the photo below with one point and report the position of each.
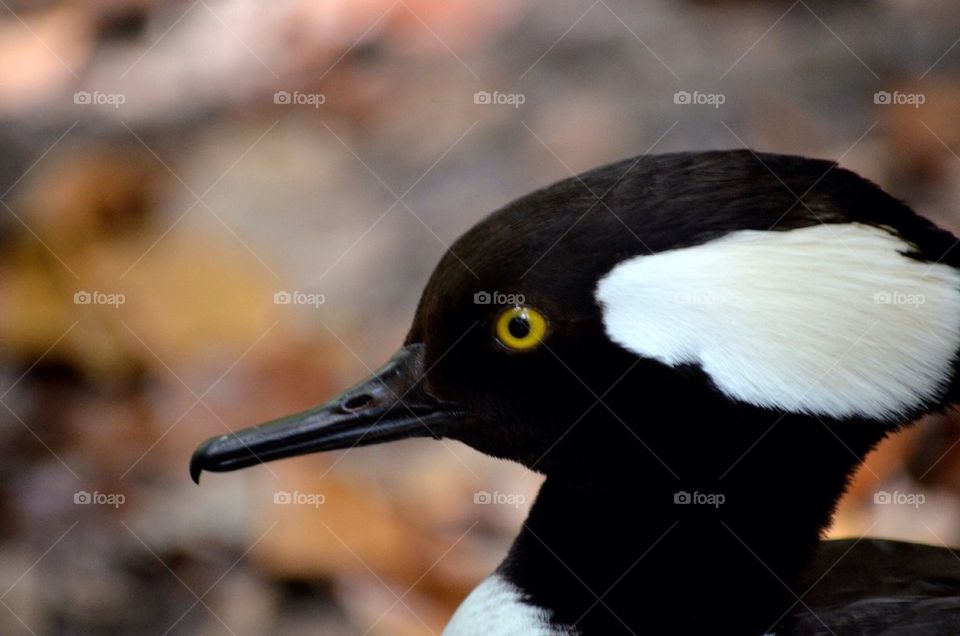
(697, 350)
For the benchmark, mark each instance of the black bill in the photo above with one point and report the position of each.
(389, 405)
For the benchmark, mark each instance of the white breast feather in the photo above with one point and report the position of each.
(827, 320)
(496, 608)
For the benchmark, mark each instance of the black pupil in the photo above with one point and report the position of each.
(519, 327)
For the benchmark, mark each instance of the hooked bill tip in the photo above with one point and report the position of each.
(197, 461)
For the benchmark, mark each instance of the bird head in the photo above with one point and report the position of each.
(675, 302)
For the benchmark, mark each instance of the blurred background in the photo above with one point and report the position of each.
(216, 212)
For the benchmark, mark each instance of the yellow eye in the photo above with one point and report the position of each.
(521, 328)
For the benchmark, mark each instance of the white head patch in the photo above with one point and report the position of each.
(827, 320)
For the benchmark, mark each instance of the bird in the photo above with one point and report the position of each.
(697, 350)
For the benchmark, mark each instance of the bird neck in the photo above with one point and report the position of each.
(644, 551)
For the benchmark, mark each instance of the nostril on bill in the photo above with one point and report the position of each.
(357, 402)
